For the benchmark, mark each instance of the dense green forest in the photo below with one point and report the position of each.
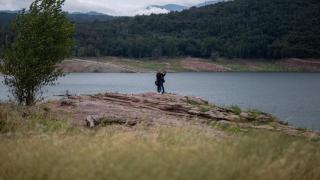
(7, 17)
(240, 28)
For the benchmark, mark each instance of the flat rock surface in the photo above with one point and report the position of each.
(167, 109)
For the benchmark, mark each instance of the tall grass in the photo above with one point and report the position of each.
(57, 150)
(31, 120)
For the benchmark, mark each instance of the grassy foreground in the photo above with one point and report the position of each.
(35, 145)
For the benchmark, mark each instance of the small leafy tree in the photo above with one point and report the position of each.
(43, 38)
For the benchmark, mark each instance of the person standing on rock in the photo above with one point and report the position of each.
(160, 81)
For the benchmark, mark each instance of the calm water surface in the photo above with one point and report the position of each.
(293, 97)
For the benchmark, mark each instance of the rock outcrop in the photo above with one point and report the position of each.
(150, 108)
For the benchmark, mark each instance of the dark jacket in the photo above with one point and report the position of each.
(160, 78)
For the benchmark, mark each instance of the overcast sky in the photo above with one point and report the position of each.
(112, 7)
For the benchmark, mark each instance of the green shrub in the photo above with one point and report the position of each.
(205, 108)
(236, 109)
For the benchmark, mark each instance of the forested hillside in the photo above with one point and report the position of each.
(240, 28)
(7, 17)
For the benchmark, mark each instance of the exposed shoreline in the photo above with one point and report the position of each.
(124, 65)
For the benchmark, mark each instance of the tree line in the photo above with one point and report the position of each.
(239, 28)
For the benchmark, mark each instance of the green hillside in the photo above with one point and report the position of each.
(268, 29)
(239, 28)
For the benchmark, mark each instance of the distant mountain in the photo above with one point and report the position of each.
(164, 9)
(150, 10)
(209, 3)
(6, 17)
(160, 9)
(78, 17)
(171, 7)
(91, 13)
(91, 16)
(11, 12)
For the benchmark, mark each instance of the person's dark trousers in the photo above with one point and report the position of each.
(162, 88)
(159, 88)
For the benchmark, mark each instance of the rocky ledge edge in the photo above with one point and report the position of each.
(169, 109)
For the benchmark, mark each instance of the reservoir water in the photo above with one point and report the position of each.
(292, 97)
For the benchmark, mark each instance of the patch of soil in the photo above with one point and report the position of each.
(309, 65)
(83, 66)
(252, 66)
(198, 65)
